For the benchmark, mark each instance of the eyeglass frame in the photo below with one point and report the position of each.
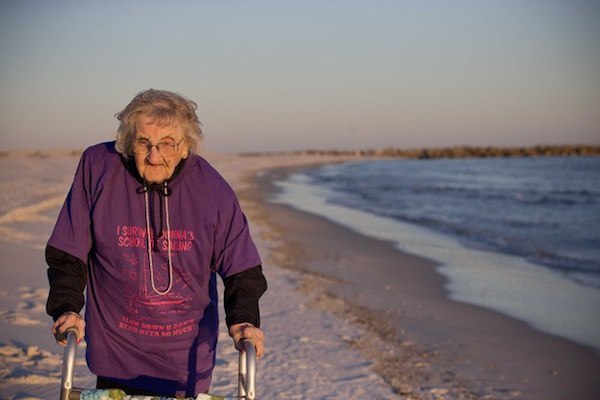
(150, 145)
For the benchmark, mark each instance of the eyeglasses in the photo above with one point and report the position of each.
(166, 148)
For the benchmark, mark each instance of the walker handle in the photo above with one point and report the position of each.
(247, 371)
(68, 366)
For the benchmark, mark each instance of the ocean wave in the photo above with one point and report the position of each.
(552, 198)
(515, 207)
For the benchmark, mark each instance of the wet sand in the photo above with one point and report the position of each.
(424, 345)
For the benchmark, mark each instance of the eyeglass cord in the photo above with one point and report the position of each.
(149, 243)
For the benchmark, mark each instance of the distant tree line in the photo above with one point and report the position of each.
(456, 152)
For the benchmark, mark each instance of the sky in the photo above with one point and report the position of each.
(293, 75)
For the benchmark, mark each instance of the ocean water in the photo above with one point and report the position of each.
(517, 235)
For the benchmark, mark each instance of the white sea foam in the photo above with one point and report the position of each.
(497, 281)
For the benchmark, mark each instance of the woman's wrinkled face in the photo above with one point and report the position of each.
(158, 148)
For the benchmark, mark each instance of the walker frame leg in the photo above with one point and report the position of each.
(68, 367)
(247, 371)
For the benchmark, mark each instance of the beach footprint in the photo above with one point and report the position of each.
(29, 309)
(17, 318)
(31, 293)
(28, 365)
(34, 300)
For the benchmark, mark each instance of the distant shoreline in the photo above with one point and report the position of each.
(582, 150)
(422, 153)
(41, 153)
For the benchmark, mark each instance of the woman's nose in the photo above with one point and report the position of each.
(154, 156)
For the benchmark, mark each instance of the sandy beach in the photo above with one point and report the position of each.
(346, 316)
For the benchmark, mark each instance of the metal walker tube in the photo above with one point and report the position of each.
(247, 371)
(68, 366)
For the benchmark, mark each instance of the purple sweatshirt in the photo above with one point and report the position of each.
(151, 313)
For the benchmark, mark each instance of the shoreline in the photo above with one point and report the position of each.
(512, 285)
(422, 343)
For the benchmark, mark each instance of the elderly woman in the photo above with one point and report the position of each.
(147, 225)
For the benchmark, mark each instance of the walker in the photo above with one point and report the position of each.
(246, 378)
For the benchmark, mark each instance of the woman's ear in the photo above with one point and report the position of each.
(186, 152)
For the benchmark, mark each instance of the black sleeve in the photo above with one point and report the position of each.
(67, 276)
(242, 291)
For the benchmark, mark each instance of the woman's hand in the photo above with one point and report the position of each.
(246, 330)
(68, 320)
